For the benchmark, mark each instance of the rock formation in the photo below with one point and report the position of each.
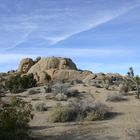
(25, 65)
(53, 63)
(57, 69)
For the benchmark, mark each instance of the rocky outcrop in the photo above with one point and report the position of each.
(58, 69)
(53, 63)
(25, 65)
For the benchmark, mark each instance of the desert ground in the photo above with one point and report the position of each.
(122, 125)
(92, 106)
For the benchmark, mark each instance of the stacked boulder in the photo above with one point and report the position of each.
(57, 68)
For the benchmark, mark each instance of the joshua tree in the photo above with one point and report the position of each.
(135, 80)
(131, 72)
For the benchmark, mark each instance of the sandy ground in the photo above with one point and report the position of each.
(123, 123)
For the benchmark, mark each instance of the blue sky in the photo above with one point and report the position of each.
(99, 35)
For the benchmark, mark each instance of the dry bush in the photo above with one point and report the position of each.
(71, 93)
(33, 91)
(61, 97)
(62, 114)
(123, 89)
(48, 88)
(50, 96)
(99, 112)
(76, 110)
(60, 87)
(115, 98)
(41, 107)
(134, 134)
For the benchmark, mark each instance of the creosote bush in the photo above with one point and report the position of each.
(14, 119)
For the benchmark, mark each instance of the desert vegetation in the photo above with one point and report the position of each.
(67, 96)
(77, 110)
(16, 84)
(14, 119)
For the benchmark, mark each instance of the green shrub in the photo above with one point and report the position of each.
(14, 120)
(18, 84)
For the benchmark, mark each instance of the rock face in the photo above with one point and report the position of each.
(25, 65)
(53, 63)
(57, 68)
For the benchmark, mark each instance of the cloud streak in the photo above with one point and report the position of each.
(56, 21)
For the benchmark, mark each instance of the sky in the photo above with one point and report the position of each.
(98, 35)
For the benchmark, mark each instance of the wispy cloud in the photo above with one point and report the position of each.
(79, 52)
(55, 22)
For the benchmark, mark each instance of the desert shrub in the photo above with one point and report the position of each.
(62, 114)
(60, 87)
(76, 110)
(134, 134)
(2, 91)
(41, 107)
(115, 98)
(71, 92)
(81, 108)
(18, 84)
(48, 88)
(71, 112)
(61, 97)
(14, 120)
(123, 89)
(33, 91)
(50, 96)
(76, 81)
(99, 112)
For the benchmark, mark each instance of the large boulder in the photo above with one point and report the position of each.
(53, 63)
(25, 65)
(55, 68)
(59, 75)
